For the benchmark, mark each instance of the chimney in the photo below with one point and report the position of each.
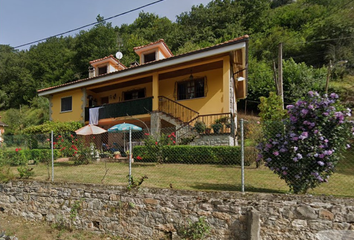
(134, 64)
(91, 72)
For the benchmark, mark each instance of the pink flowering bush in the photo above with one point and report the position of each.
(305, 151)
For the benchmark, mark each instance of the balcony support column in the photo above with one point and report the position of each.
(155, 123)
(83, 106)
(155, 91)
(226, 84)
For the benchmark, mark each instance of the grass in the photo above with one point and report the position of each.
(178, 176)
(203, 177)
(22, 229)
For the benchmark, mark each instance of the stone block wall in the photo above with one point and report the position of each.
(214, 140)
(148, 213)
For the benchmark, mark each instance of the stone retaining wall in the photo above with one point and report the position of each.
(147, 213)
(214, 140)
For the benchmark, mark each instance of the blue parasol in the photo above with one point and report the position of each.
(125, 127)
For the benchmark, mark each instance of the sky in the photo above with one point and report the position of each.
(25, 21)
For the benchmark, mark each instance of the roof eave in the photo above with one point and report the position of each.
(167, 62)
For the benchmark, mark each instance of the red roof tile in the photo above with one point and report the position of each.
(159, 41)
(101, 59)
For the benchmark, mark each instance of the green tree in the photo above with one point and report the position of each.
(50, 62)
(298, 79)
(98, 42)
(260, 79)
(272, 108)
(15, 80)
(216, 22)
(4, 102)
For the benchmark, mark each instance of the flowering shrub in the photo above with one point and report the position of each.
(18, 158)
(73, 146)
(306, 150)
(68, 146)
(153, 146)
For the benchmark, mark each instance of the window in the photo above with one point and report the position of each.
(66, 104)
(134, 94)
(102, 70)
(149, 57)
(104, 100)
(190, 89)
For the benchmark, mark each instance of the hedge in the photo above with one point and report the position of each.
(225, 155)
(21, 157)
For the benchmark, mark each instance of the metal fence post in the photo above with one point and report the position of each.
(52, 146)
(130, 156)
(242, 158)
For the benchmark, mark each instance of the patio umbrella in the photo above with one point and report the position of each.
(125, 127)
(90, 130)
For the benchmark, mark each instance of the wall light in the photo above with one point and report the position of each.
(240, 79)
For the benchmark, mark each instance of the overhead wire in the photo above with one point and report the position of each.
(335, 9)
(91, 24)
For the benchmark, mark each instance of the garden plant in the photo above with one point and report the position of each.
(306, 149)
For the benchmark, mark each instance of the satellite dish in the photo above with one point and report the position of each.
(119, 55)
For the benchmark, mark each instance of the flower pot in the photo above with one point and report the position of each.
(117, 156)
(217, 127)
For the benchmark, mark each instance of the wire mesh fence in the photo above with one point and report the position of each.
(197, 161)
(304, 160)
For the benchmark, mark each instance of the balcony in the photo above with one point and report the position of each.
(131, 107)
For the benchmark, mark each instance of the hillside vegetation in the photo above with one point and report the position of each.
(313, 32)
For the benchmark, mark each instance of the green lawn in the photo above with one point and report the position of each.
(193, 177)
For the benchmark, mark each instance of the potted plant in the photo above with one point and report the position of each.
(117, 155)
(217, 126)
(199, 126)
(223, 120)
(208, 130)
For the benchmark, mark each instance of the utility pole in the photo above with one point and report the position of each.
(280, 73)
(328, 75)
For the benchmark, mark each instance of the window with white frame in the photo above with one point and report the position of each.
(66, 104)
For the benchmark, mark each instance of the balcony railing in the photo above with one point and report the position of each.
(176, 110)
(131, 107)
(221, 123)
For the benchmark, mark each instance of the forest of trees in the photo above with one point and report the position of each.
(313, 33)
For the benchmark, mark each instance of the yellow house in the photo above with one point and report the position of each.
(162, 90)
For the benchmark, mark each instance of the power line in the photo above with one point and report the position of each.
(317, 41)
(334, 10)
(91, 24)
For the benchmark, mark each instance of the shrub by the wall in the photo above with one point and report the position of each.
(226, 155)
(21, 157)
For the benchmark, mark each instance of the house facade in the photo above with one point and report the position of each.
(162, 90)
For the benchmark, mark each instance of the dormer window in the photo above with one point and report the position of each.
(153, 52)
(102, 70)
(149, 57)
(105, 65)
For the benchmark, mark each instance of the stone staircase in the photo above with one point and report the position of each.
(183, 130)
